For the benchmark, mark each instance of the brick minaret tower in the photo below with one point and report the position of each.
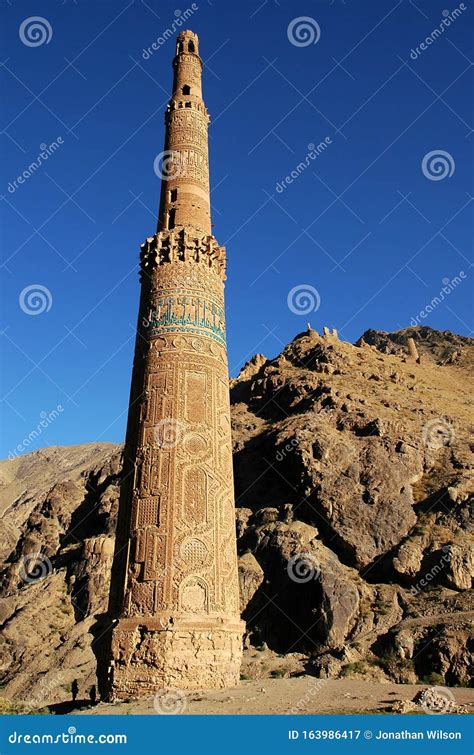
(174, 591)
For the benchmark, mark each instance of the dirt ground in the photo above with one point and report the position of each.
(304, 694)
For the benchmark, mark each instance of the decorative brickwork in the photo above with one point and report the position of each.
(174, 590)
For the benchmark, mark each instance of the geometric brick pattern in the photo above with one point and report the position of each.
(174, 589)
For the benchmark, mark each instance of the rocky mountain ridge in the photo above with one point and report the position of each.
(354, 487)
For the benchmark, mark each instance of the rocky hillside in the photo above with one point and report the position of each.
(353, 490)
(442, 347)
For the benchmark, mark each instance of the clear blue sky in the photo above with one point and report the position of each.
(361, 224)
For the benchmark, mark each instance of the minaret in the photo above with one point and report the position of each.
(174, 595)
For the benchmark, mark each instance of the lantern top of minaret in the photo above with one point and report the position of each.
(188, 41)
(184, 201)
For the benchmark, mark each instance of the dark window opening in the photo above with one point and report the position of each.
(173, 195)
(191, 47)
(186, 89)
(171, 219)
(187, 104)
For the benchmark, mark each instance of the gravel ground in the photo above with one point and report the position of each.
(304, 694)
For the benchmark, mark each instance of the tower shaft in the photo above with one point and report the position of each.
(185, 199)
(174, 587)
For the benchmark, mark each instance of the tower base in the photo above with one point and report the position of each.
(149, 656)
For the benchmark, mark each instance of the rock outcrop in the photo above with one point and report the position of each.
(354, 495)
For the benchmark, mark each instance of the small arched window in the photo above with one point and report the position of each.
(191, 47)
(186, 89)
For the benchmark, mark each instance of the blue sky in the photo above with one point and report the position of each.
(362, 224)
